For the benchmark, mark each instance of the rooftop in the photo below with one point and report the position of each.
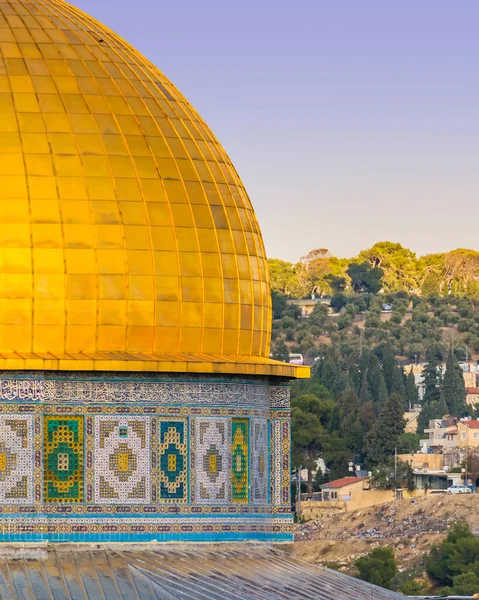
(343, 482)
(199, 572)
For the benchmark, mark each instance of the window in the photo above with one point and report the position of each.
(123, 431)
(463, 435)
(476, 436)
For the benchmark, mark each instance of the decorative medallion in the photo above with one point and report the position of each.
(239, 460)
(63, 459)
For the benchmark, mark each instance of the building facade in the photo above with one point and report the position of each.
(138, 401)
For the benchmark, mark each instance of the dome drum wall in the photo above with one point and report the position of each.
(136, 458)
(124, 227)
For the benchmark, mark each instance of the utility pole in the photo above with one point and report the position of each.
(361, 343)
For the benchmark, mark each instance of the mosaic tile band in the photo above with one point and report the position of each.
(143, 470)
(115, 388)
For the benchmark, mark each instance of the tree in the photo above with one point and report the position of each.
(338, 301)
(441, 408)
(456, 555)
(280, 351)
(377, 386)
(389, 476)
(412, 396)
(350, 425)
(279, 304)
(408, 443)
(397, 386)
(319, 315)
(399, 265)
(432, 379)
(378, 567)
(427, 413)
(389, 364)
(307, 440)
(383, 438)
(284, 278)
(453, 388)
(365, 278)
(365, 392)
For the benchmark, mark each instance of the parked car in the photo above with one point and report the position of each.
(458, 489)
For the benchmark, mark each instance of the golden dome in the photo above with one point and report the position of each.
(127, 240)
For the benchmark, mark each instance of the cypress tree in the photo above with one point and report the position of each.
(383, 438)
(350, 425)
(431, 378)
(412, 397)
(453, 387)
(441, 408)
(365, 393)
(427, 413)
(382, 393)
(376, 382)
(397, 386)
(389, 364)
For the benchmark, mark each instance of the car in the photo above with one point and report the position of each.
(458, 489)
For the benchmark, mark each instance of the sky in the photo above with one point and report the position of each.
(349, 122)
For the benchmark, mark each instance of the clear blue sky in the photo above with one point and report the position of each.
(349, 122)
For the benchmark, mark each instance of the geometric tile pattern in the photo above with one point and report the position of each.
(63, 459)
(16, 459)
(285, 462)
(122, 460)
(141, 471)
(173, 460)
(212, 460)
(239, 460)
(259, 461)
(276, 462)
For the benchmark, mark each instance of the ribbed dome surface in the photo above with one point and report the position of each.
(124, 227)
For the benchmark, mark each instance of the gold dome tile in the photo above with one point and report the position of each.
(125, 231)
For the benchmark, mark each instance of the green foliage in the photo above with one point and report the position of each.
(378, 567)
(383, 438)
(434, 275)
(388, 476)
(453, 388)
(397, 386)
(410, 388)
(455, 562)
(415, 587)
(338, 301)
(432, 380)
(389, 364)
(408, 443)
(365, 278)
(280, 351)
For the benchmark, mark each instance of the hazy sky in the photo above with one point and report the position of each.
(349, 122)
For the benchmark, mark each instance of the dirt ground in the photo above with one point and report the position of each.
(408, 527)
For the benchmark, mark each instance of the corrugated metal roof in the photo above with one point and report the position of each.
(192, 572)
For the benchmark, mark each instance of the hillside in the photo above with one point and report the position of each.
(409, 528)
(415, 327)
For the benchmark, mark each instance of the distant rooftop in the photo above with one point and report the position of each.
(343, 482)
